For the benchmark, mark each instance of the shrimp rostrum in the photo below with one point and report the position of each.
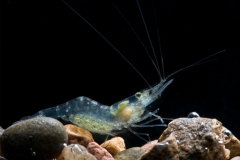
(103, 119)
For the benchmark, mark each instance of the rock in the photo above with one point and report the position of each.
(75, 152)
(36, 139)
(236, 158)
(198, 138)
(130, 154)
(1, 132)
(233, 146)
(166, 150)
(77, 135)
(114, 145)
(99, 152)
(149, 145)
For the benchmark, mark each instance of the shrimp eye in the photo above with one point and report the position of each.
(138, 95)
(193, 115)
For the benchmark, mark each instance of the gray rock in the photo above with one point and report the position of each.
(130, 154)
(34, 139)
(1, 131)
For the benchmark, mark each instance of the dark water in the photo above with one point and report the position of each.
(49, 56)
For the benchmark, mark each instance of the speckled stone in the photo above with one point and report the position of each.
(75, 152)
(34, 139)
(165, 150)
(114, 145)
(198, 138)
(99, 152)
(77, 135)
(130, 154)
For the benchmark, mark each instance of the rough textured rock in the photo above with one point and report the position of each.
(236, 158)
(114, 145)
(1, 132)
(75, 152)
(149, 145)
(166, 150)
(198, 138)
(35, 139)
(77, 135)
(233, 146)
(99, 152)
(130, 154)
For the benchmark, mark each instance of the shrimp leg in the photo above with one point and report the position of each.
(138, 134)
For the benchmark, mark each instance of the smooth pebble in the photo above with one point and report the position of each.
(35, 139)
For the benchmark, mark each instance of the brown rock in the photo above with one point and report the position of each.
(149, 145)
(37, 138)
(130, 154)
(236, 158)
(167, 150)
(75, 152)
(233, 145)
(114, 145)
(198, 138)
(99, 152)
(77, 135)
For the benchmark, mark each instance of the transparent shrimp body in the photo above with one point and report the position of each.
(102, 119)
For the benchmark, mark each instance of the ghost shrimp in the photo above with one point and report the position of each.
(102, 119)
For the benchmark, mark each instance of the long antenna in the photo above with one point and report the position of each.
(160, 48)
(147, 33)
(139, 40)
(106, 40)
(196, 63)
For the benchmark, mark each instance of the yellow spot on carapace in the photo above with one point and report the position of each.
(121, 106)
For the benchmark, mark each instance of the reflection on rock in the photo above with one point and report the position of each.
(75, 152)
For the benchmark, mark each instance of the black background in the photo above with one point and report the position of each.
(49, 55)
